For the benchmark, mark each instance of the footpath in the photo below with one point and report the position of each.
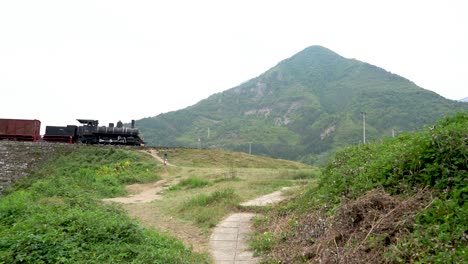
(228, 240)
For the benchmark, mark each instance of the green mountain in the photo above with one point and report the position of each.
(301, 109)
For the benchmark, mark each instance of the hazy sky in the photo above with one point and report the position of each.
(110, 60)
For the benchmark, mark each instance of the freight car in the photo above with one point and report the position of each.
(91, 133)
(20, 129)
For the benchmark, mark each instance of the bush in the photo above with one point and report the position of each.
(436, 158)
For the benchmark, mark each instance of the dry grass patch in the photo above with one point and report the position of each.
(361, 231)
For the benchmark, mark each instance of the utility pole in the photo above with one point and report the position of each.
(208, 133)
(364, 126)
(250, 148)
(393, 132)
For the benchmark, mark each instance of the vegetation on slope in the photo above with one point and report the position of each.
(56, 217)
(401, 200)
(301, 109)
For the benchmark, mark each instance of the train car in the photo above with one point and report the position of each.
(20, 129)
(91, 133)
(61, 134)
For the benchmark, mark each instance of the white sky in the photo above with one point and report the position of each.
(110, 60)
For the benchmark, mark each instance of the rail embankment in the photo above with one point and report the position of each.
(19, 159)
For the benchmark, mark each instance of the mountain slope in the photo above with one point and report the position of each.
(302, 108)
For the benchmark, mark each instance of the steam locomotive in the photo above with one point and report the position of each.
(91, 133)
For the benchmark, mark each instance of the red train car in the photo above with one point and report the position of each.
(20, 129)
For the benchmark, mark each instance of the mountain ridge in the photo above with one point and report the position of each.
(302, 108)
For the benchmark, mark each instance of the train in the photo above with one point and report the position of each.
(89, 132)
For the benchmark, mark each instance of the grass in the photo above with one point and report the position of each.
(55, 216)
(190, 183)
(204, 174)
(207, 208)
(203, 205)
(213, 158)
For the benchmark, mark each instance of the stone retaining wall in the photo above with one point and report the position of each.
(18, 159)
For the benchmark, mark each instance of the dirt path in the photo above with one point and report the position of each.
(144, 193)
(139, 206)
(154, 154)
(147, 192)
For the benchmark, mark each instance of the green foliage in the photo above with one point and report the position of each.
(55, 217)
(302, 109)
(435, 159)
(263, 242)
(100, 172)
(439, 235)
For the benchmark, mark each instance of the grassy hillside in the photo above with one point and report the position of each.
(301, 109)
(56, 217)
(400, 200)
(224, 159)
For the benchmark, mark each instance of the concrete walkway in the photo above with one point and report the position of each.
(267, 199)
(228, 240)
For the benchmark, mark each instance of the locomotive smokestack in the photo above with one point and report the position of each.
(133, 123)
